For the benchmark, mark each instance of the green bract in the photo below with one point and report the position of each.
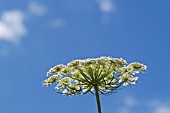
(82, 76)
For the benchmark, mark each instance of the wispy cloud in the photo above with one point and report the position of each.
(124, 110)
(12, 26)
(106, 6)
(162, 109)
(36, 9)
(159, 106)
(56, 23)
(128, 103)
(134, 105)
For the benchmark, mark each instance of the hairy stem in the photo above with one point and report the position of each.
(97, 98)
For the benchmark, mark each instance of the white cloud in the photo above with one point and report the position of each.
(106, 6)
(36, 9)
(12, 27)
(162, 109)
(159, 106)
(135, 105)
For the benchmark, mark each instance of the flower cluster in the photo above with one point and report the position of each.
(81, 76)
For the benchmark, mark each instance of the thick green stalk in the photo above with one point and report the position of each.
(97, 99)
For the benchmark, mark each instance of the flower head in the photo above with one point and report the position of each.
(80, 76)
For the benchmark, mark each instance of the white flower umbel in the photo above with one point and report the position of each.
(102, 75)
(80, 76)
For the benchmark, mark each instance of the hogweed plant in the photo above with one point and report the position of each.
(102, 75)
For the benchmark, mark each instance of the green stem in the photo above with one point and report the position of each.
(97, 98)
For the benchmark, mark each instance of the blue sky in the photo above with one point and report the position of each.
(35, 35)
